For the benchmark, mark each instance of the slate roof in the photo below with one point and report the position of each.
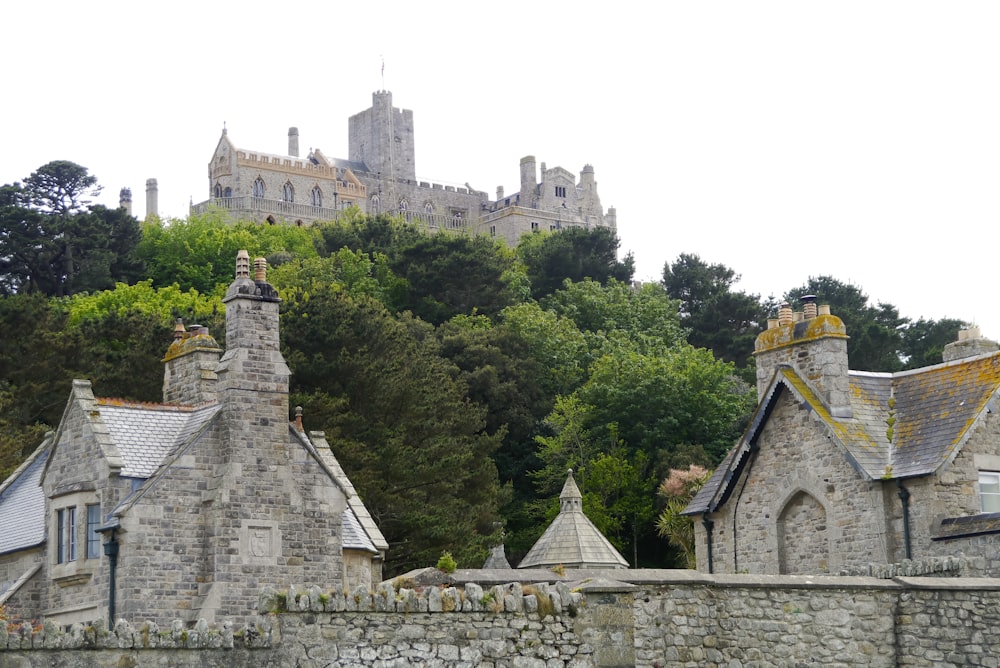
(932, 411)
(146, 433)
(354, 537)
(22, 504)
(572, 540)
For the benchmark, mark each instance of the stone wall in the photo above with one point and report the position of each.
(667, 619)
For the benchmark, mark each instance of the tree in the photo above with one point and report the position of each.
(550, 258)
(61, 188)
(400, 422)
(724, 321)
(51, 242)
(678, 488)
(924, 340)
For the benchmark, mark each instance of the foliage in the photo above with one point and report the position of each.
(678, 488)
(724, 321)
(924, 340)
(198, 252)
(446, 563)
(550, 258)
(53, 243)
(403, 426)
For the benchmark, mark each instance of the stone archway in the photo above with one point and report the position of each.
(803, 536)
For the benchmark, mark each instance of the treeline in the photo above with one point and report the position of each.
(457, 379)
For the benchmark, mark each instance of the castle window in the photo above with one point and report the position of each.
(560, 191)
(218, 191)
(375, 204)
(534, 227)
(93, 538)
(65, 535)
(989, 491)
(317, 196)
(493, 230)
(403, 205)
(428, 208)
(258, 187)
(227, 193)
(288, 192)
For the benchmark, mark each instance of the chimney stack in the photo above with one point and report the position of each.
(293, 142)
(814, 344)
(152, 199)
(970, 344)
(189, 376)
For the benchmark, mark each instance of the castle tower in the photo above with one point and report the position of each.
(125, 200)
(293, 142)
(189, 376)
(152, 198)
(529, 184)
(812, 342)
(382, 138)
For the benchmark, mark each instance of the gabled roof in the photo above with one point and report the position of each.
(22, 503)
(903, 425)
(146, 433)
(572, 540)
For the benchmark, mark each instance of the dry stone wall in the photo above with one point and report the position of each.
(688, 620)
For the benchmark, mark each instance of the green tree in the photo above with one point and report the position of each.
(678, 488)
(719, 319)
(61, 188)
(550, 258)
(400, 422)
(924, 340)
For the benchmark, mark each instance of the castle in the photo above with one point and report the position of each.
(379, 176)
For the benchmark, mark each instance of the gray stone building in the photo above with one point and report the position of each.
(379, 176)
(840, 470)
(187, 508)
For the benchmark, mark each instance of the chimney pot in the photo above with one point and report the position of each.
(785, 316)
(260, 270)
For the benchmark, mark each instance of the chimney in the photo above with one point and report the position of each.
(152, 199)
(293, 142)
(189, 376)
(814, 344)
(970, 344)
(499, 193)
(125, 200)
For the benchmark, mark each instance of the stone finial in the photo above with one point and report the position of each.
(298, 418)
(243, 264)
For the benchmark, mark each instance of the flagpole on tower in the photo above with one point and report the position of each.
(383, 72)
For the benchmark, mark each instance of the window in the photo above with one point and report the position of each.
(228, 193)
(375, 204)
(493, 230)
(258, 187)
(65, 535)
(989, 491)
(534, 227)
(288, 192)
(560, 191)
(316, 196)
(93, 538)
(218, 191)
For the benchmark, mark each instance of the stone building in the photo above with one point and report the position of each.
(840, 470)
(186, 508)
(379, 176)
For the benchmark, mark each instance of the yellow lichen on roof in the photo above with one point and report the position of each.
(848, 431)
(190, 343)
(820, 327)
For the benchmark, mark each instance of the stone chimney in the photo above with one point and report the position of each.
(152, 198)
(970, 344)
(293, 142)
(189, 376)
(814, 344)
(125, 200)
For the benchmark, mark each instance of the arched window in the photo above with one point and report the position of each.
(258, 187)
(218, 191)
(288, 192)
(227, 193)
(428, 208)
(316, 196)
(375, 204)
(403, 205)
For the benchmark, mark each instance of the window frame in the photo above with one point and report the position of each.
(992, 496)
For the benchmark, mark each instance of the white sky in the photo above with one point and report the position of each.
(782, 139)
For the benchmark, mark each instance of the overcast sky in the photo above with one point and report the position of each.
(782, 139)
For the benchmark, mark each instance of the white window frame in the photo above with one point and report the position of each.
(989, 491)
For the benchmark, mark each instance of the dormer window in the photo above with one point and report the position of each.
(989, 491)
